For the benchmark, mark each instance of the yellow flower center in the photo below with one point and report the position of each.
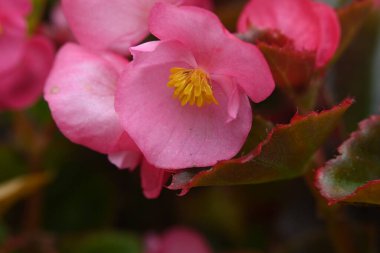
(191, 86)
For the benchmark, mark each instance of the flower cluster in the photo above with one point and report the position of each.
(183, 100)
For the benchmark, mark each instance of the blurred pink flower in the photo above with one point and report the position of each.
(211, 73)
(313, 26)
(176, 240)
(25, 60)
(80, 91)
(116, 24)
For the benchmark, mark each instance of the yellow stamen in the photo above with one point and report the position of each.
(191, 86)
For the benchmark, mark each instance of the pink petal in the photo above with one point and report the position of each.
(125, 159)
(201, 31)
(13, 39)
(215, 50)
(16, 7)
(169, 135)
(329, 33)
(294, 18)
(176, 240)
(80, 92)
(126, 154)
(114, 25)
(22, 86)
(152, 180)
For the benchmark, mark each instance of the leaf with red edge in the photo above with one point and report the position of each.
(351, 19)
(354, 176)
(283, 153)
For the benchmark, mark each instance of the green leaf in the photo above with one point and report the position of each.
(106, 242)
(354, 176)
(358, 81)
(284, 153)
(351, 19)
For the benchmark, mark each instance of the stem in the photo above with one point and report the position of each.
(35, 142)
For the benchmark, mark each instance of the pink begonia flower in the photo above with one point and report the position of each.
(25, 60)
(116, 24)
(184, 99)
(176, 240)
(313, 26)
(80, 92)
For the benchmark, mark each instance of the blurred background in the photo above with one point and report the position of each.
(78, 202)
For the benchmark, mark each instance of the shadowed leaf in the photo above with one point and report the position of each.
(351, 19)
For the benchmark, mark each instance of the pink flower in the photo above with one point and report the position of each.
(313, 26)
(80, 91)
(25, 60)
(184, 99)
(176, 240)
(116, 24)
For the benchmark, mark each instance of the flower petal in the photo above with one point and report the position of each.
(125, 159)
(21, 86)
(114, 25)
(199, 31)
(152, 180)
(80, 92)
(164, 52)
(329, 33)
(126, 154)
(214, 49)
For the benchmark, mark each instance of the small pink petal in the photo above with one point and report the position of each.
(125, 159)
(126, 154)
(80, 92)
(164, 52)
(231, 89)
(152, 180)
